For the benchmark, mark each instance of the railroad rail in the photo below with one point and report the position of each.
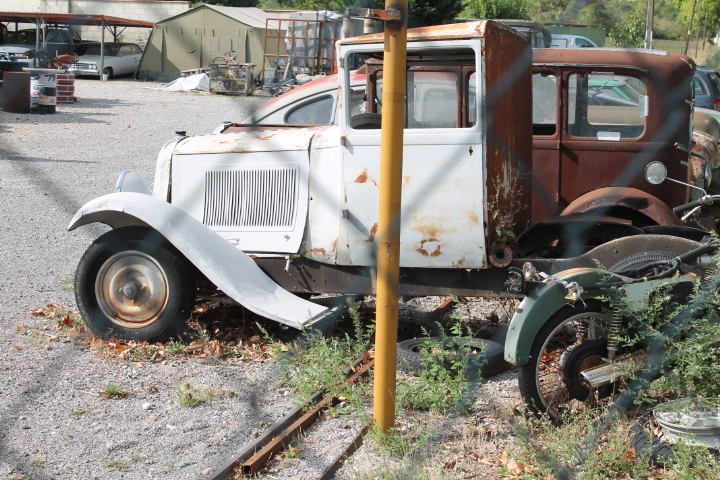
(280, 436)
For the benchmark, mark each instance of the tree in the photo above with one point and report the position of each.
(433, 12)
(517, 9)
(595, 15)
(629, 34)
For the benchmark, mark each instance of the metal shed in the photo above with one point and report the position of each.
(195, 38)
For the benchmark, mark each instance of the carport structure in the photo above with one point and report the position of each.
(42, 20)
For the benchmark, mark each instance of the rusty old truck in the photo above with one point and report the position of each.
(493, 175)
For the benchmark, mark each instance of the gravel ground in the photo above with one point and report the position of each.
(53, 423)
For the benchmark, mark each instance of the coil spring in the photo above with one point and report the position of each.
(613, 341)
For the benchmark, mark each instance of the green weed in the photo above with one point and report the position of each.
(190, 396)
(320, 361)
(448, 377)
(114, 391)
(116, 465)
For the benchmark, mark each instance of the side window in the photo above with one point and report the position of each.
(698, 87)
(126, 50)
(606, 106)
(316, 112)
(357, 102)
(544, 104)
(581, 42)
(432, 99)
(472, 100)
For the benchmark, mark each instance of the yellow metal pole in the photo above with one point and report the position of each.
(391, 156)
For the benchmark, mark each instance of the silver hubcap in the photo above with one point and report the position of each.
(132, 289)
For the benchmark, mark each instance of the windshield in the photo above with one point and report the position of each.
(110, 50)
(23, 37)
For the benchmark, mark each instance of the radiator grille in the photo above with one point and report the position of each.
(260, 198)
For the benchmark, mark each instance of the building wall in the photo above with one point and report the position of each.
(145, 10)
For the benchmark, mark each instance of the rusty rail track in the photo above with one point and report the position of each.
(283, 433)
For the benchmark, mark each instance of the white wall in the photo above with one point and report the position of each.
(145, 10)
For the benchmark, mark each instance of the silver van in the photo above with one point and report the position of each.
(570, 41)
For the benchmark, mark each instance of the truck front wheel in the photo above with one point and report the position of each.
(132, 284)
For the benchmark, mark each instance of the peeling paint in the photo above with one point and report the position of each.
(430, 243)
(363, 177)
(373, 232)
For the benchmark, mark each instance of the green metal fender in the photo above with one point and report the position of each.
(537, 308)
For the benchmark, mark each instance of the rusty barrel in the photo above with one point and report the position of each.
(16, 92)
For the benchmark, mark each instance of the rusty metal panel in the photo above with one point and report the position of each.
(457, 31)
(631, 198)
(508, 119)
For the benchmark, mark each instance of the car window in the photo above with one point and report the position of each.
(605, 107)
(581, 42)
(544, 104)
(432, 99)
(699, 87)
(715, 79)
(126, 50)
(357, 102)
(110, 50)
(472, 102)
(315, 112)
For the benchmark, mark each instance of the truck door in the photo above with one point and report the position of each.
(547, 125)
(602, 141)
(443, 211)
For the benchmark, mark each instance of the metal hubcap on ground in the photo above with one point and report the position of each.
(132, 289)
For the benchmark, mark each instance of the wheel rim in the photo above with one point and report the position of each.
(132, 289)
(549, 378)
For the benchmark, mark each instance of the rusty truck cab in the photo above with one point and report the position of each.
(597, 121)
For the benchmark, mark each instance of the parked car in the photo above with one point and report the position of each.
(706, 84)
(570, 41)
(120, 59)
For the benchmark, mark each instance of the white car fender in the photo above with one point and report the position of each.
(229, 268)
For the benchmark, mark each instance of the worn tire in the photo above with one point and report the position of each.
(638, 265)
(542, 381)
(108, 71)
(132, 284)
(490, 355)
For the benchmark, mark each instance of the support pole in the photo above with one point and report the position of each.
(391, 159)
(649, 24)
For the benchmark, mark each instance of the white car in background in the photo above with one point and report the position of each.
(120, 59)
(571, 41)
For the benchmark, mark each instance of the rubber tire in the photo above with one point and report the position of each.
(179, 277)
(527, 373)
(660, 453)
(490, 358)
(108, 71)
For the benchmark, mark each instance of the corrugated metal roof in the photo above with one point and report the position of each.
(72, 19)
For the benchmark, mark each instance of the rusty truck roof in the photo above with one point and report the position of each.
(665, 67)
(454, 31)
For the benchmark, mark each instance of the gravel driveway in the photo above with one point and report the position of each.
(53, 423)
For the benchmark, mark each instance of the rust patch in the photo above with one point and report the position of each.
(435, 253)
(363, 177)
(473, 218)
(318, 251)
(373, 232)
(429, 231)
